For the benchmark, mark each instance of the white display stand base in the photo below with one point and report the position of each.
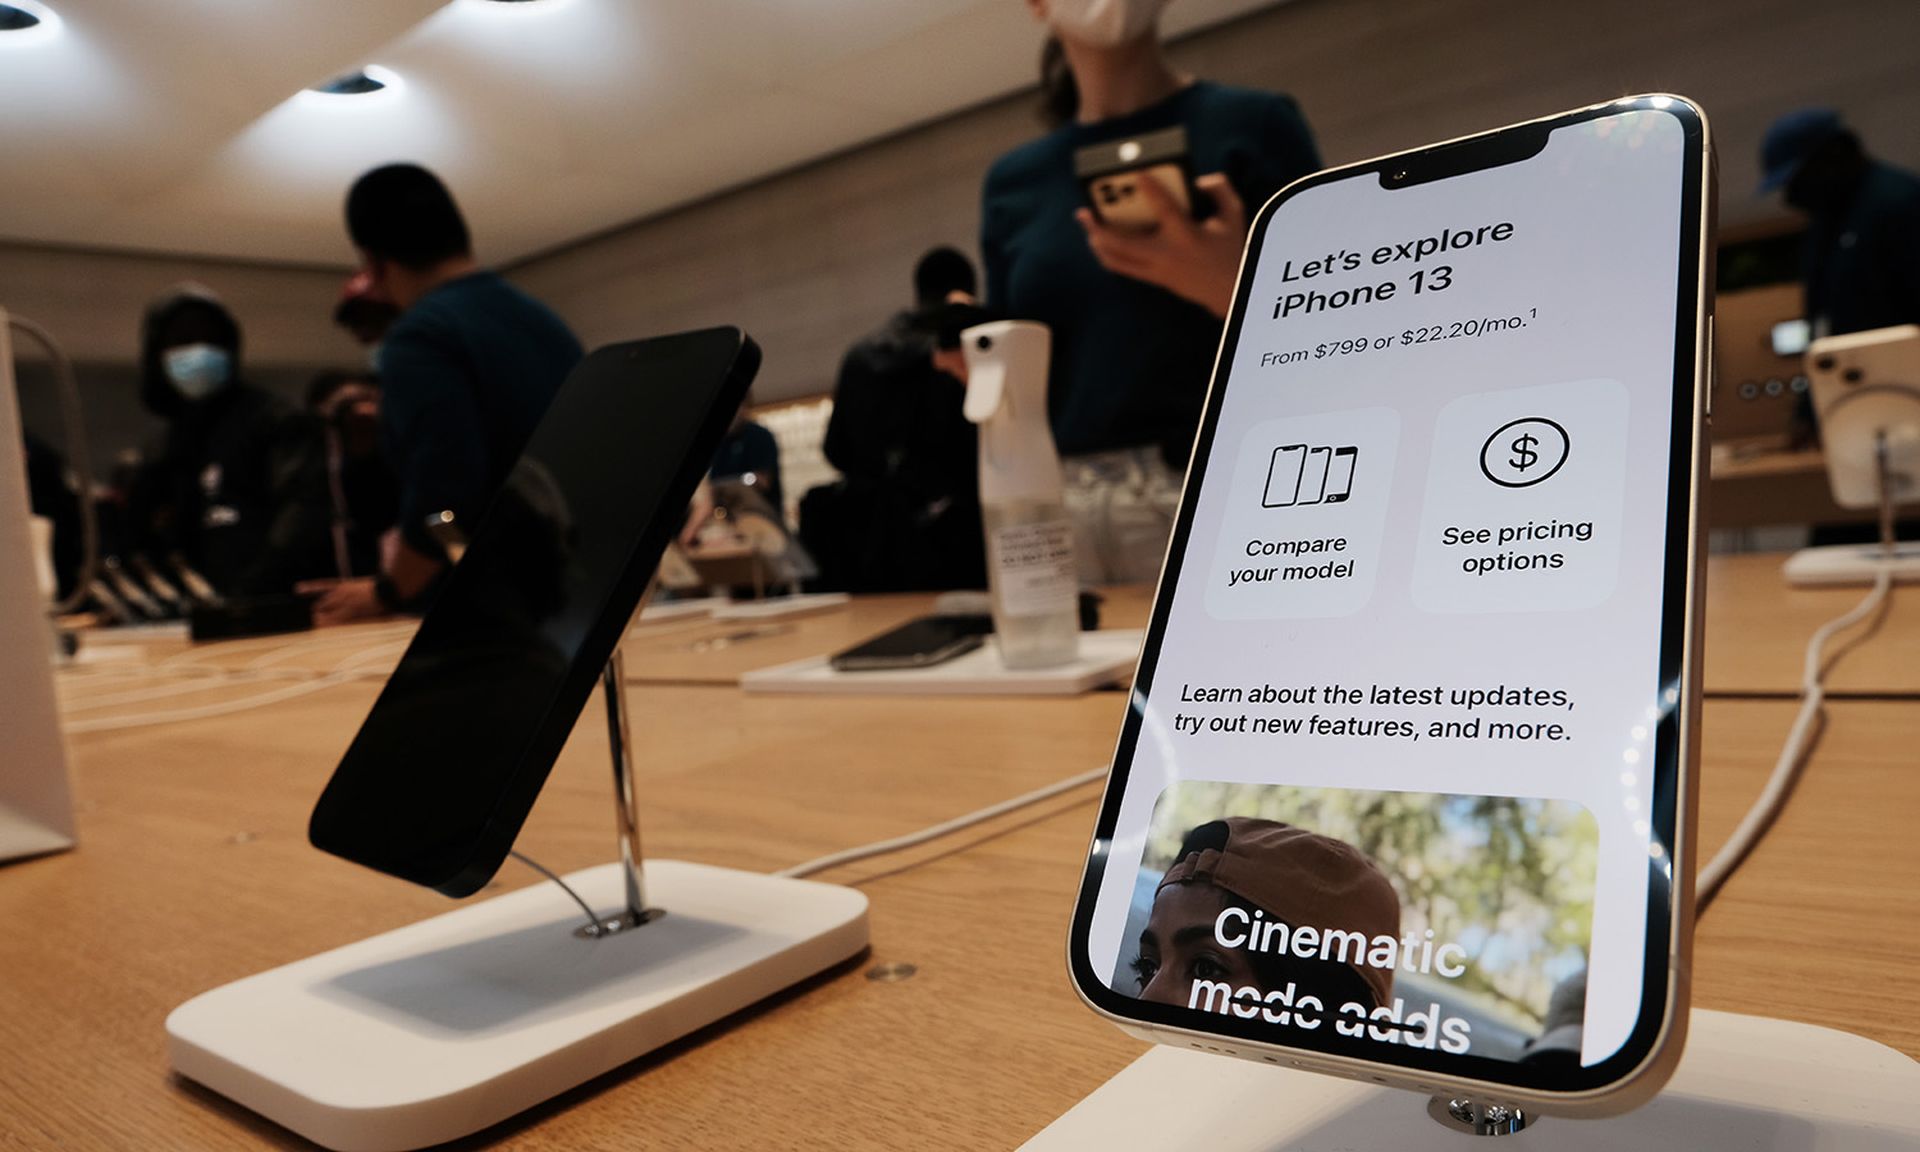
(778, 607)
(663, 611)
(1745, 1084)
(444, 1027)
(1852, 564)
(1106, 657)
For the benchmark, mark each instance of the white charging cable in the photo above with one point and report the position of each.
(946, 828)
(1786, 772)
(346, 671)
(1813, 692)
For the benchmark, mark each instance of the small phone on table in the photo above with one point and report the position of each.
(1406, 791)
(921, 643)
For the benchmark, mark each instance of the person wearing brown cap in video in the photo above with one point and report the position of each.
(1284, 874)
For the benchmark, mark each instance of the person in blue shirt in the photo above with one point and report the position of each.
(1136, 316)
(466, 372)
(750, 455)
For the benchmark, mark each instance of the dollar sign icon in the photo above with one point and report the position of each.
(1524, 457)
(1522, 453)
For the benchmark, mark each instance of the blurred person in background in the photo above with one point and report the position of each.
(749, 454)
(466, 372)
(363, 495)
(365, 312)
(1861, 260)
(1860, 257)
(237, 487)
(51, 494)
(906, 515)
(1136, 315)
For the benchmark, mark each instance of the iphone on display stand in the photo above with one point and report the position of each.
(436, 784)
(1406, 790)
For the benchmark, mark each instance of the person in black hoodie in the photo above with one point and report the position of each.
(906, 516)
(239, 486)
(50, 494)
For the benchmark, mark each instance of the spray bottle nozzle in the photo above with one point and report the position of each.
(1004, 357)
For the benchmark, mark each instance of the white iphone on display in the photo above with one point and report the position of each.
(1405, 790)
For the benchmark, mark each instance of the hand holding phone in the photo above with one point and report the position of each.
(1196, 260)
(950, 317)
(1119, 179)
(958, 312)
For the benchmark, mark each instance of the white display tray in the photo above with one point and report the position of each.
(444, 1027)
(1841, 564)
(1106, 657)
(1746, 1083)
(776, 607)
(664, 611)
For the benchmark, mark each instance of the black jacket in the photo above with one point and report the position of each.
(238, 484)
(907, 515)
(1862, 265)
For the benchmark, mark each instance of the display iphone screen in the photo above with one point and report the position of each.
(1399, 777)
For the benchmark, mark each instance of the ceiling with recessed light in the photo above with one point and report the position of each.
(187, 126)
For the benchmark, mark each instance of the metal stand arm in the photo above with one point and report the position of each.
(626, 812)
(626, 808)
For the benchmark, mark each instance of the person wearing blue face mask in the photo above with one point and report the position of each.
(237, 486)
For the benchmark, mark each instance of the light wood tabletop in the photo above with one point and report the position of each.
(1749, 488)
(1756, 632)
(1757, 629)
(709, 651)
(193, 871)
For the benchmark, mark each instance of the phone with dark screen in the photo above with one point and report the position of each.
(920, 643)
(442, 774)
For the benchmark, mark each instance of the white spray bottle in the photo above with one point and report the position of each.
(1030, 561)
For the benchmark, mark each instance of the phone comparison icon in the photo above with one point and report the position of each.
(1302, 474)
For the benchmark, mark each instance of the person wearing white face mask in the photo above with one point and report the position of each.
(1136, 314)
(238, 484)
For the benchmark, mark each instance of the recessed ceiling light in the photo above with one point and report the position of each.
(26, 17)
(358, 83)
(513, 8)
